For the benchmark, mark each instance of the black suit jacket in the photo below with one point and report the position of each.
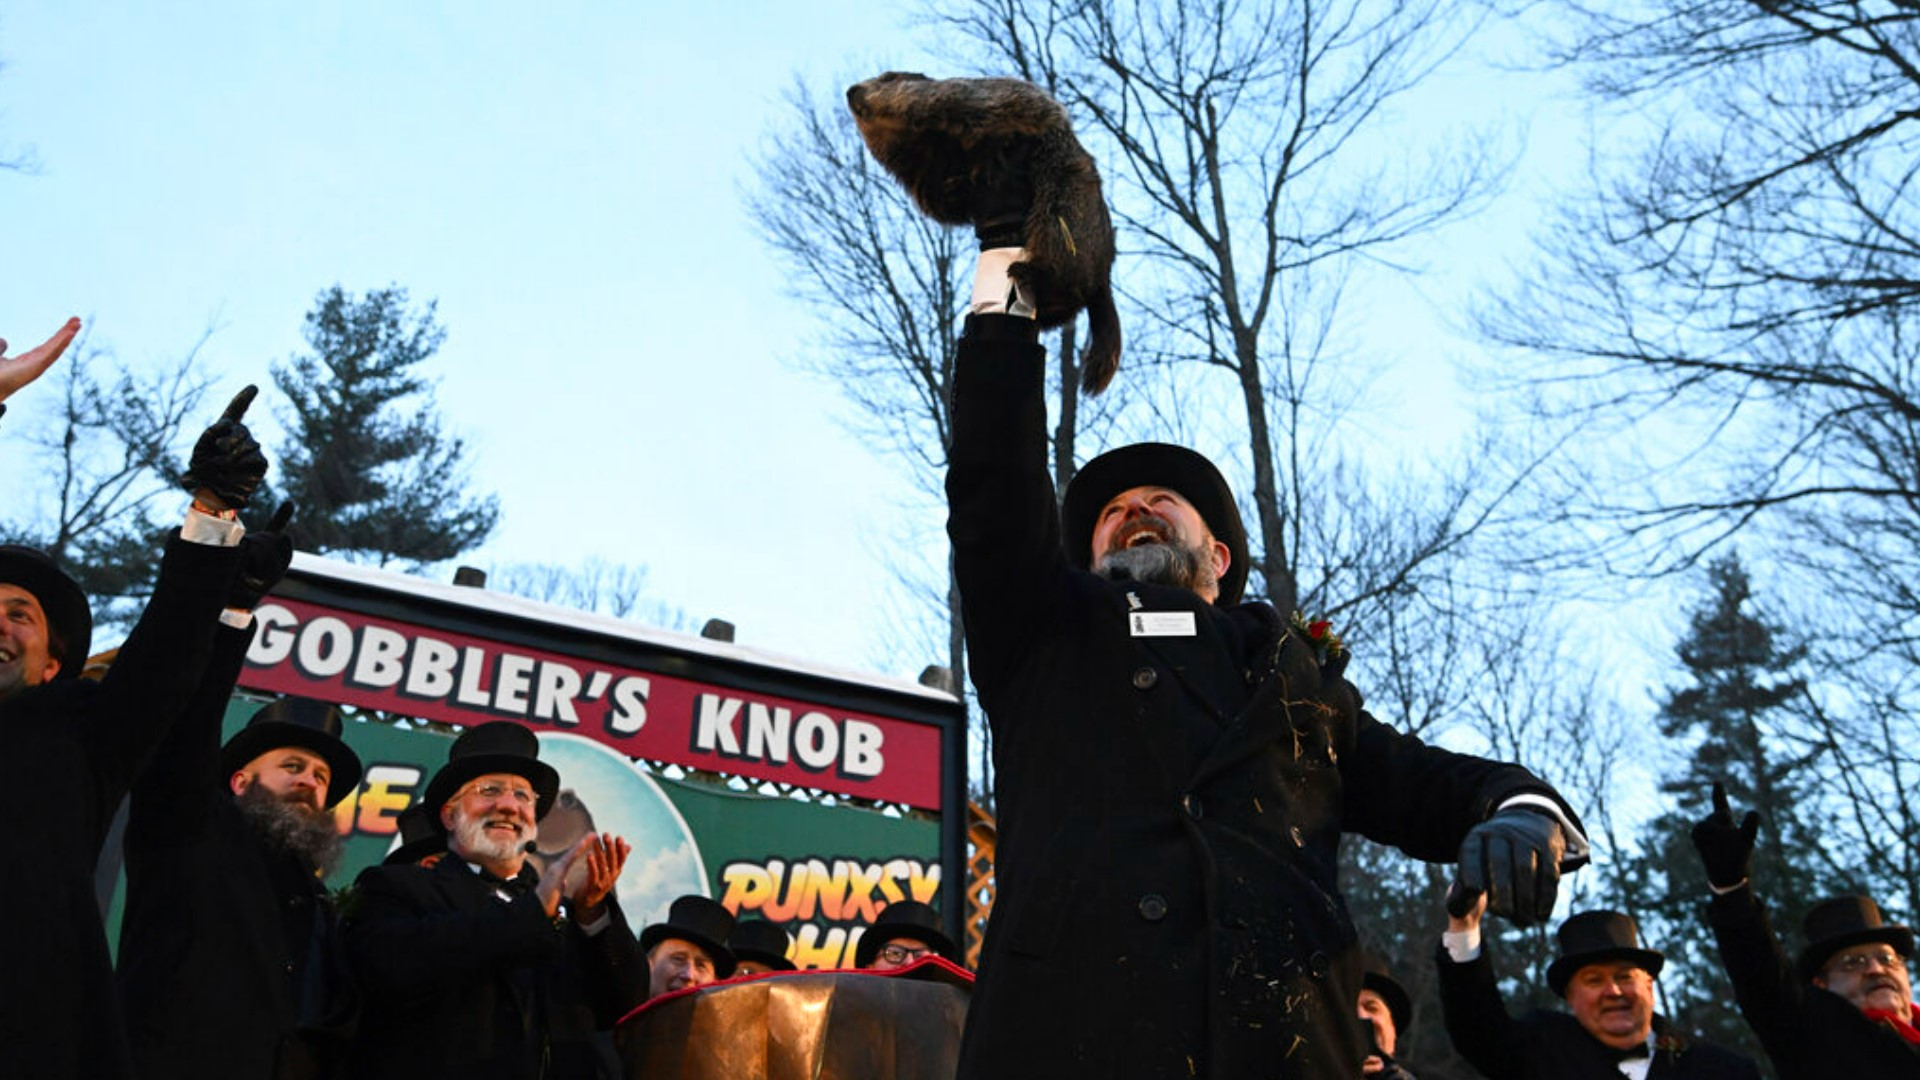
(1553, 1045)
(75, 747)
(459, 983)
(229, 963)
(1170, 808)
(1809, 1033)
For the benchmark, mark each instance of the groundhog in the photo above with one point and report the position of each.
(943, 138)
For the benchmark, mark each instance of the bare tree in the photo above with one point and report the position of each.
(1249, 172)
(609, 588)
(103, 465)
(891, 287)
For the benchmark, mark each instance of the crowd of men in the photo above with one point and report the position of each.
(463, 955)
(1175, 769)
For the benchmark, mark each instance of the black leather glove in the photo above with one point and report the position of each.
(264, 558)
(1514, 858)
(226, 460)
(1000, 191)
(1726, 848)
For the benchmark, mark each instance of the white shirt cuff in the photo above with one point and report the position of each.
(206, 529)
(1577, 846)
(1462, 945)
(238, 618)
(605, 920)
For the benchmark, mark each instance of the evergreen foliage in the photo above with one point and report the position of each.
(1742, 685)
(370, 479)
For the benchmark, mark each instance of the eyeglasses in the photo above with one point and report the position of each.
(900, 954)
(1857, 963)
(493, 792)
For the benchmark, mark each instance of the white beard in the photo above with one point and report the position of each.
(472, 840)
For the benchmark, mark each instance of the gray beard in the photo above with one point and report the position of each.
(1169, 563)
(284, 826)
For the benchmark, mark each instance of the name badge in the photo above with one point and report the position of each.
(1161, 623)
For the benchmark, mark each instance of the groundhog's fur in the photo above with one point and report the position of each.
(941, 137)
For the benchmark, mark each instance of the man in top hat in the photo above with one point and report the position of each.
(1609, 1029)
(477, 965)
(1174, 767)
(225, 850)
(902, 933)
(1387, 1010)
(689, 948)
(77, 744)
(1845, 1007)
(758, 947)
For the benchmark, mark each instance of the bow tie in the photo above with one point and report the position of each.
(1637, 1050)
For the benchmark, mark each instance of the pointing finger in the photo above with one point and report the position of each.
(237, 408)
(278, 522)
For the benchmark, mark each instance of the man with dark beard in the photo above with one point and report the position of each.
(1174, 768)
(226, 848)
(478, 965)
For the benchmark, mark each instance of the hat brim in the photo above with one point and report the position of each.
(1157, 465)
(264, 737)
(1562, 970)
(777, 963)
(66, 607)
(460, 772)
(1815, 956)
(877, 937)
(723, 958)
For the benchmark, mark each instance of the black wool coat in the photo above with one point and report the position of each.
(1809, 1033)
(458, 983)
(229, 961)
(1553, 1045)
(75, 747)
(1170, 808)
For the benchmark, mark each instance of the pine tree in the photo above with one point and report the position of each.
(370, 479)
(1743, 683)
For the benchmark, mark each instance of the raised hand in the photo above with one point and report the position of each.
(227, 464)
(1513, 860)
(18, 371)
(264, 557)
(1726, 848)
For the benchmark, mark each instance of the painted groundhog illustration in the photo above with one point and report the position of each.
(946, 139)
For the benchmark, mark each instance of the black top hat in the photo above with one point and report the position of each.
(498, 746)
(1843, 922)
(420, 836)
(762, 942)
(302, 722)
(704, 922)
(1376, 978)
(69, 619)
(1159, 465)
(904, 919)
(1594, 937)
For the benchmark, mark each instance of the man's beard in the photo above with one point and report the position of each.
(471, 840)
(1167, 562)
(292, 826)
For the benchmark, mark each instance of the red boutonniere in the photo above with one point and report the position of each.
(1318, 635)
(1672, 1044)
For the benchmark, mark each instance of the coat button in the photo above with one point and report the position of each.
(1145, 678)
(1318, 965)
(1191, 804)
(1153, 907)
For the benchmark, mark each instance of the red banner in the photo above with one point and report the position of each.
(367, 662)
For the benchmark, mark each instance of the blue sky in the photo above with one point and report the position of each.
(565, 179)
